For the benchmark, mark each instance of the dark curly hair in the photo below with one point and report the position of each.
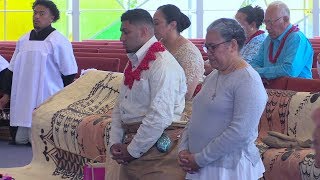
(254, 14)
(51, 6)
(173, 13)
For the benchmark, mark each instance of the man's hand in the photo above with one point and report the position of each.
(126, 157)
(4, 101)
(116, 153)
(187, 162)
(120, 153)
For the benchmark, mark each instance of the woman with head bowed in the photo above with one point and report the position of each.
(219, 140)
(251, 18)
(169, 22)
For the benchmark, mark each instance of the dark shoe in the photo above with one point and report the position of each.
(14, 143)
(13, 131)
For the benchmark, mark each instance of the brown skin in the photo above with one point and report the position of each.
(187, 162)
(225, 56)
(120, 153)
(4, 101)
(168, 34)
(226, 59)
(133, 37)
(276, 21)
(42, 17)
(249, 29)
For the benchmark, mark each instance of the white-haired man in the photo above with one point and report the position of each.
(286, 51)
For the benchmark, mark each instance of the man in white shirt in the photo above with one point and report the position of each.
(150, 100)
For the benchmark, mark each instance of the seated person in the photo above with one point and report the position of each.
(251, 18)
(286, 51)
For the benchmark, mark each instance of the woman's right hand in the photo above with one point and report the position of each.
(4, 101)
(187, 162)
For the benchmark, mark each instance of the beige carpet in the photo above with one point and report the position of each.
(71, 128)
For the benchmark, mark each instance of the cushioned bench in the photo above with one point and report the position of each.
(296, 84)
(123, 57)
(99, 63)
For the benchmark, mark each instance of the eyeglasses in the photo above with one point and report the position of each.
(271, 22)
(212, 47)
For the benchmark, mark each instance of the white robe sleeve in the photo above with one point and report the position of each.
(63, 54)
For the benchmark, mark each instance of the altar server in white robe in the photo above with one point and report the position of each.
(42, 64)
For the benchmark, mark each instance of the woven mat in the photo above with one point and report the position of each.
(60, 146)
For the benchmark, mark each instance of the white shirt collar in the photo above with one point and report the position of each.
(136, 57)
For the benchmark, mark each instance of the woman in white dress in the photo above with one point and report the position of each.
(219, 140)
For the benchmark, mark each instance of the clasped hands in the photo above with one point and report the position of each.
(120, 153)
(187, 162)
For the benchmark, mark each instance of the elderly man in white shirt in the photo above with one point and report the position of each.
(143, 138)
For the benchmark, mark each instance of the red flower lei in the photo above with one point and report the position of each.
(254, 35)
(274, 59)
(130, 76)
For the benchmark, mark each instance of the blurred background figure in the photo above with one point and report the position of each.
(251, 18)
